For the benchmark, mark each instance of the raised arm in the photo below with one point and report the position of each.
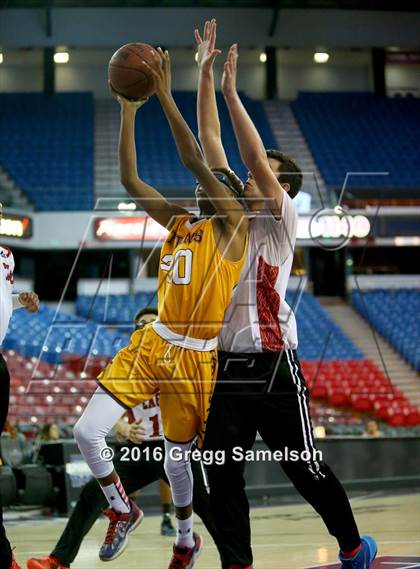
(209, 131)
(150, 199)
(251, 147)
(189, 150)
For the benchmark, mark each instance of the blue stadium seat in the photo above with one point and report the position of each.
(359, 132)
(395, 315)
(46, 145)
(160, 164)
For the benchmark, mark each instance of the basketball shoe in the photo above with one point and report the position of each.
(365, 556)
(185, 557)
(120, 525)
(45, 563)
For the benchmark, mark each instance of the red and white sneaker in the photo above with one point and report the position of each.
(45, 563)
(120, 526)
(185, 557)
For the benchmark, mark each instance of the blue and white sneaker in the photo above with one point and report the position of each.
(365, 556)
(120, 526)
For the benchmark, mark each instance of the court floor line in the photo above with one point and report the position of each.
(136, 547)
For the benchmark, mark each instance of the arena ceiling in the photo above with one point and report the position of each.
(381, 5)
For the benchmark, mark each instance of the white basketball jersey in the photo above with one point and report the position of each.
(7, 267)
(149, 411)
(259, 318)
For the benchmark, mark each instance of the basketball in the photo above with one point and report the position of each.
(128, 75)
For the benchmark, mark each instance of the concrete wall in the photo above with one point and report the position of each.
(347, 70)
(250, 27)
(87, 71)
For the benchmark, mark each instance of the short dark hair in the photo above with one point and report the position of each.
(233, 182)
(290, 173)
(146, 310)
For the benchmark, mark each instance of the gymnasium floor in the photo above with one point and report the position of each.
(285, 537)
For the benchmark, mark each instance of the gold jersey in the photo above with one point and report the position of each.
(195, 281)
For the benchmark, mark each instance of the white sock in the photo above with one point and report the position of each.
(184, 532)
(117, 498)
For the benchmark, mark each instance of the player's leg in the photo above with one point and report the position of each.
(179, 473)
(134, 475)
(186, 387)
(202, 507)
(284, 422)
(99, 417)
(231, 424)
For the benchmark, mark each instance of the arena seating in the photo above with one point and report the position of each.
(395, 315)
(75, 349)
(52, 337)
(319, 336)
(359, 132)
(160, 164)
(46, 146)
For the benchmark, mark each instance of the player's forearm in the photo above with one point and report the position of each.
(209, 131)
(188, 148)
(127, 147)
(249, 141)
(207, 114)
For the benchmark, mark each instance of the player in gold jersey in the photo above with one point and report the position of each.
(200, 264)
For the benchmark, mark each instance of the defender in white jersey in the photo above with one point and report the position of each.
(259, 318)
(260, 386)
(8, 302)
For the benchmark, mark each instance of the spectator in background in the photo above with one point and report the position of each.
(15, 449)
(49, 432)
(372, 429)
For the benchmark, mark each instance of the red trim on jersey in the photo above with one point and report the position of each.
(9, 252)
(268, 306)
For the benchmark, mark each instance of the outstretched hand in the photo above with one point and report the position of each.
(133, 104)
(160, 67)
(206, 51)
(230, 72)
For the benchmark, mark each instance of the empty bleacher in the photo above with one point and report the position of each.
(395, 315)
(362, 133)
(74, 348)
(157, 154)
(46, 147)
